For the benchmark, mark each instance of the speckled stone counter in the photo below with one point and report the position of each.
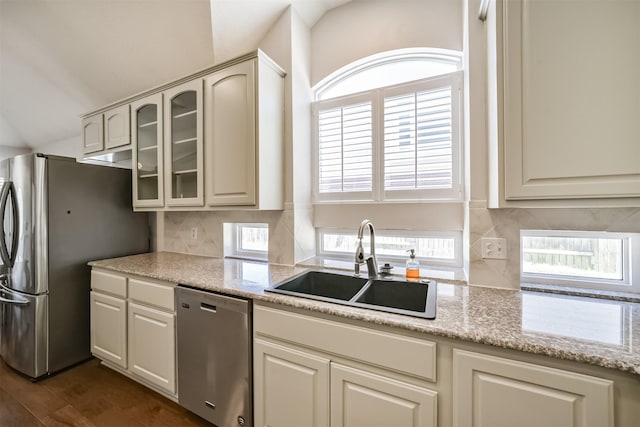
(590, 330)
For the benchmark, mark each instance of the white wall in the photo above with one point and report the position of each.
(71, 147)
(7, 151)
(361, 28)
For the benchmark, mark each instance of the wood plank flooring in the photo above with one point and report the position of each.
(87, 395)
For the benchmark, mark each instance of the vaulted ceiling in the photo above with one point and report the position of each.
(60, 59)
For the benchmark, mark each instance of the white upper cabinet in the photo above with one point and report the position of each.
(106, 131)
(148, 167)
(116, 127)
(229, 118)
(183, 145)
(244, 113)
(565, 99)
(92, 134)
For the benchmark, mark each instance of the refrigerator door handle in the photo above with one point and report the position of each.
(8, 190)
(8, 297)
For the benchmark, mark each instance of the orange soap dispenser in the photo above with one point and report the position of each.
(413, 266)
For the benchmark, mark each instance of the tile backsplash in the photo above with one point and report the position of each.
(292, 235)
(508, 222)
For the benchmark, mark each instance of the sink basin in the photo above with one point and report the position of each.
(394, 296)
(322, 284)
(400, 296)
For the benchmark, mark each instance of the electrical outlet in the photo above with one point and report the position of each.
(494, 248)
(194, 233)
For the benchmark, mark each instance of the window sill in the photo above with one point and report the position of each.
(448, 275)
(582, 292)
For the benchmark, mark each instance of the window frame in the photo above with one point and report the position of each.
(376, 97)
(630, 281)
(235, 249)
(398, 260)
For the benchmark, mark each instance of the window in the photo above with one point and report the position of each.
(397, 142)
(432, 249)
(249, 241)
(583, 259)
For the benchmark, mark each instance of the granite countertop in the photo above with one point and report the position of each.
(600, 332)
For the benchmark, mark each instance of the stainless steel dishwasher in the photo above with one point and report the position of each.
(214, 356)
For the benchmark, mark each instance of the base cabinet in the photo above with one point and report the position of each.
(492, 391)
(152, 346)
(314, 372)
(365, 399)
(133, 328)
(109, 328)
(291, 387)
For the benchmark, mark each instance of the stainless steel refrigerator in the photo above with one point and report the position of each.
(57, 215)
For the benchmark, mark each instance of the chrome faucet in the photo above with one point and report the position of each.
(372, 264)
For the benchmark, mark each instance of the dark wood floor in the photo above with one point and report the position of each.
(86, 395)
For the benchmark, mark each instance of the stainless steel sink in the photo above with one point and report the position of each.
(393, 296)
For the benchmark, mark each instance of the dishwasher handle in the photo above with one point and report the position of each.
(210, 302)
(208, 307)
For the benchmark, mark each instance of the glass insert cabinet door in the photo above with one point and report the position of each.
(146, 119)
(183, 145)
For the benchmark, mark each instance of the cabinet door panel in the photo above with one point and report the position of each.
(230, 134)
(109, 328)
(148, 167)
(116, 127)
(490, 391)
(92, 134)
(363, 399)
(152, 346)
(291, 387)
(570, 116)
(183, 149)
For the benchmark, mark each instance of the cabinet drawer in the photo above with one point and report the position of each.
(158, 294)
(109, 283)
(387, 350)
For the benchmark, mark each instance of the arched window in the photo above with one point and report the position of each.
(387, 69)
(388, 128)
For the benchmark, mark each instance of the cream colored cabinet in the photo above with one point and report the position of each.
(291, 387)
(92, 134)
(133, 328)
(244, 106)
(106, 131)
(116, 127)
(152, 345)
(314, 371)
(213, 140)
(563, 119)
(148, 160)
(493, 391)
(109, 328)
(183, 151)
(365, 399)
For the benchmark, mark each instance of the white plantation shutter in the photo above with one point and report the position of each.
(396, 143)
(418, 140)
(345, 145)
